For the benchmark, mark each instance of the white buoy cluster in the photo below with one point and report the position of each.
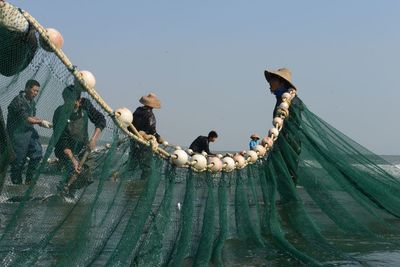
(214, 164)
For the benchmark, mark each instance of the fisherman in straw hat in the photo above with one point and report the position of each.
(280, 81)
(145, 122)
(254, 140)
(143, 117)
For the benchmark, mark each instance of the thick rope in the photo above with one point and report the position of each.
(91, 91)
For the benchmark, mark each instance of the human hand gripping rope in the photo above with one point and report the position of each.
(46, 124)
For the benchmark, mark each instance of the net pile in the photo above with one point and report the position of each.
(318, 198)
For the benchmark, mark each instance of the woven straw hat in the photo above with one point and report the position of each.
(283, 73)
(151, 100)
(254, 136)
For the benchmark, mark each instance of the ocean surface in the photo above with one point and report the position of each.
(393, 159)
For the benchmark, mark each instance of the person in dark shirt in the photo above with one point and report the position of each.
(6, 152)
(71, 128)
(202, 143)
(21, 119)
(144, 121)
(280, 82)
(5, 147)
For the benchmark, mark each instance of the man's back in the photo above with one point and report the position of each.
(200, 144)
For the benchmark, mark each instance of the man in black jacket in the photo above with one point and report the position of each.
(201, 143)
(144, 121)
(71, 128)
(6, 152)
(21, 119)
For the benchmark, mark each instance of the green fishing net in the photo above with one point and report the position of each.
(317, 198)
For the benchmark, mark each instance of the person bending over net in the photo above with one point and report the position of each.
(202, 143)
(280, 81)
(21, 119)
(144, 121)
(71, 130)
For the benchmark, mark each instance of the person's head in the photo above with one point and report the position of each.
(72, 94)
(276, 82)
(150, 101)
(281, 78)
(212, 136)
(32, 88)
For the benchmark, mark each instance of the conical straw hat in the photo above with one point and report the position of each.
(284, 73)
(151, 100)
(255, 136)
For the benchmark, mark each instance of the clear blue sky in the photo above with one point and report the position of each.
(205, 60)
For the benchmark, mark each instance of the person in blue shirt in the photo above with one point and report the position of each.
(255, 140)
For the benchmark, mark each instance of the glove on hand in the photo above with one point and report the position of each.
(46, 124)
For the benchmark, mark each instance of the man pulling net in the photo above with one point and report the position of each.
(71, 132)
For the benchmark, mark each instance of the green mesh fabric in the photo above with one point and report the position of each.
(319, 198)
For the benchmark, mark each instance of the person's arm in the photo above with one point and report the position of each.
(97, 118)
(152, 129)
(93, 140)
(207, 146)
(70, 156)
(33, 120)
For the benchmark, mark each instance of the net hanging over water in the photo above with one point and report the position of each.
(316, 198)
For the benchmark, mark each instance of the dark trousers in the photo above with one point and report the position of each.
(25, 146)
(140, 156)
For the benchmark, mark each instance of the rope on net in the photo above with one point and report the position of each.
(179, 157)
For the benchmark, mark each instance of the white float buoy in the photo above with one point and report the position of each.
(284, 105)
(260, 150)
(214, 164)
(267, 142)
(55, 38)
(228, 164)
(88, 77)
(239, 161)
(251, 156)
(284, 113)
(286, 96)
(273, 131)
(124, 115)
(199, 162)
(179, 157)
(277, 122)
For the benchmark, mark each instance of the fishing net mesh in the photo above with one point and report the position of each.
(317, 198)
